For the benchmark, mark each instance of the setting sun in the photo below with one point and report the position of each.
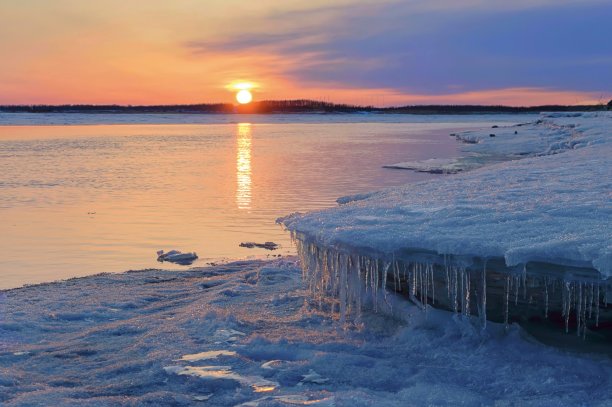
(244, 96)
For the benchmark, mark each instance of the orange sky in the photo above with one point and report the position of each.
(160, 52)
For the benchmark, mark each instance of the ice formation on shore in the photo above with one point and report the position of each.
(544, 218)
(249, 333)
(552, 134)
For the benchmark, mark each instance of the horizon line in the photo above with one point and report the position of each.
(312, 101)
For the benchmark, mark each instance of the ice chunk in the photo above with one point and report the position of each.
(432, 165)
(175, 256)
(266, 245)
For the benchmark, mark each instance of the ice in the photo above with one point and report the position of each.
(553, 208)
(176, 256)
(552, 134)
(432, 165)
(153, 344)
(539, 223)
(354, 313)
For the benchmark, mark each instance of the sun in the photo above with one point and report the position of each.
(244, 96)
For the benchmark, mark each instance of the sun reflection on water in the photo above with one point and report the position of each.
(243, 166)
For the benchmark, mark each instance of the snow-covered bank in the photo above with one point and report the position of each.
(249, 334)
(552, 134)
(552, 208)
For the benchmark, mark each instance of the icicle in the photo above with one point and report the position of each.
(597, 306)
(507, 300)
(516, 288)
(343, 283)
(399, 281)
(448, 278)
(484, 295)
(524, 281)
(433, 286)
(467, 292)
(591, 295)
(455, 288)
(384, 284)
(462, 291)
(567, 304)
(394, 276)
(546, 297)
(579, 309)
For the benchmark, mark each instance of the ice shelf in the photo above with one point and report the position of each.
(523, 239)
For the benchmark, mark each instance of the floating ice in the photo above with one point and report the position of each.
(266, 245)
(432, 165)
(175, 256)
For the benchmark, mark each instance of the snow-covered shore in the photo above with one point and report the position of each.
(249, 334)
(540, 204)
(553, 206)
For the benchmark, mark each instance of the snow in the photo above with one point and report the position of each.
(552, 134)
(158, 337)
(552, 206)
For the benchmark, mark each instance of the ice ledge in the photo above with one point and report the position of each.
(553, 208)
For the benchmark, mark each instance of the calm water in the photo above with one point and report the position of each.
(82, 199)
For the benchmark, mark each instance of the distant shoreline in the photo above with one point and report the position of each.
(298, 107)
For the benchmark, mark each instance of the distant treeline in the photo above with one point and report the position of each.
(298, 106)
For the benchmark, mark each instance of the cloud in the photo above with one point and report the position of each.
(438, 48)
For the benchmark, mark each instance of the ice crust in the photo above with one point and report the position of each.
(553, 206)
(249, 333)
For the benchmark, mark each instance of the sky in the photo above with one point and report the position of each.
(385, 52)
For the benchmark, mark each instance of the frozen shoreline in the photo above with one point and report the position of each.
(552, 206)
(538, 221)
(249, 332)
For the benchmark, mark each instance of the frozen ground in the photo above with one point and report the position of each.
(247, 334)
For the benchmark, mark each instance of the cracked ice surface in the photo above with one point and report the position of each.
(248, 333)
(553, 206)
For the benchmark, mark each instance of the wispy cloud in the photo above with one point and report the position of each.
(435, 47)
(391, 51)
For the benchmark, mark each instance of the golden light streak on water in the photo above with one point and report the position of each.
(243, 166)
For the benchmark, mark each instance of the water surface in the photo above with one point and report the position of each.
(82, 199)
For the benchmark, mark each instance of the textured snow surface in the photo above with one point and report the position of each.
(248, 334)
(553, 206)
